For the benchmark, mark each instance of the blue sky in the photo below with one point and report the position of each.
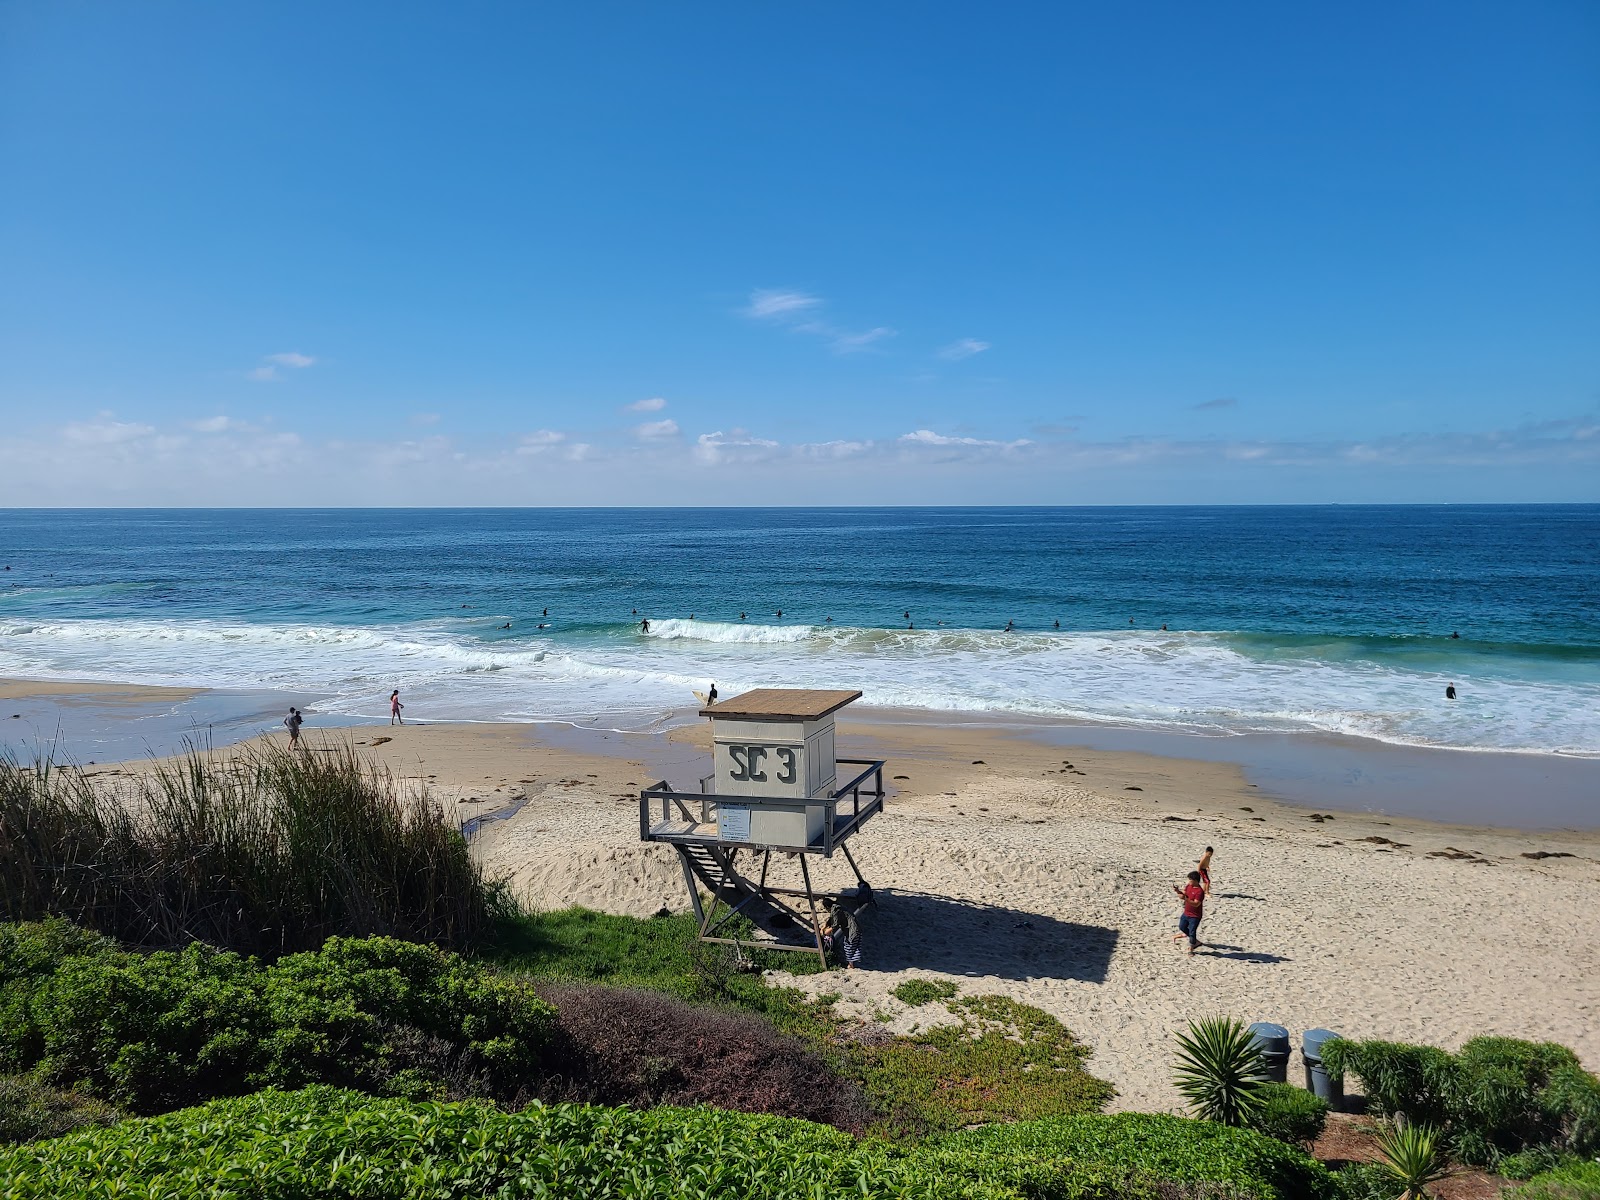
(743, 253)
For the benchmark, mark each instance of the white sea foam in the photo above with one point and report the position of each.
(1192, 681)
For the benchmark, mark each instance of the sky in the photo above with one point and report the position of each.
(472, 253)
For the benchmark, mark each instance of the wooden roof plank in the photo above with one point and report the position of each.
(781, 704)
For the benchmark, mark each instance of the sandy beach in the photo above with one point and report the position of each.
(1044, 872)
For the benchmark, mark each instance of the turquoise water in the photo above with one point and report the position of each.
(1335, 619)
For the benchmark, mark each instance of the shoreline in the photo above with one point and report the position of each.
(100, 722)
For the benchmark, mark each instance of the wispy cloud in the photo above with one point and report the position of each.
(965, 348)
(767, 303)
(850, 343)
(926, 437)
(104, 430)
(291, 360)
(1219, 402)
(654, 431)
(424, 418)
(540, 441)
(796, 311)
(653, 404)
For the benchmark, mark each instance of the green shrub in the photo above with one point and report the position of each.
(264, 852)
(327, 1144)
(1575, 1180)
(1289, 1114)
(323, 1144)
(29, 1110)
(1363, 1181)
(1525, 1164)
(917, 992)
(1498, 1097)
(1142, 1147)
(153, 1031)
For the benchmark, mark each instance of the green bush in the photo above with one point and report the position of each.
(29, 1110)
(917, 992)
(1289, 1114)
(1498, 1097)
(1145, 1147)
(324, 1144)
(327, 1144)
(1576, 1180)
(150, 1032)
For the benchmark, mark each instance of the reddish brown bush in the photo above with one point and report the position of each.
(627, 1046)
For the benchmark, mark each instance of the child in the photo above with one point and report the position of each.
(842, 935)
(1194, 908)
(1205, 870)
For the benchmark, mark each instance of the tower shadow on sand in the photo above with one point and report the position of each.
(913, 929)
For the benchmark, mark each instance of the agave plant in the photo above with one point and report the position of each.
(1220, 1070)
(1412, 1157)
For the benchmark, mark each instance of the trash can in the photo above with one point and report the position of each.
(1317, 1078)
(1273, 1042)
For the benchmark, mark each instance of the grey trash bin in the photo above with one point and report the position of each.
(1273, 1042)
(1317, 1078)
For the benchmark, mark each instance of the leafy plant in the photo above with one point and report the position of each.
(1413, 1157)
(1289, 1114)
(1497, 1098)
(150, 1032)
(917, 992)
(1220, 1071)
(1575, 1179)
(1190, 1158)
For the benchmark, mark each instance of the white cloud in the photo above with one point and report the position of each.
(579, 452)
(267, 372)
(716, 447)
(653, 404)
(926, 437)
(424, 418)
(767, 303)
(834, 449)
(656, 430)
(214, 425)
(540, 440)
(965, 348)
(104, 431)
(850, 343)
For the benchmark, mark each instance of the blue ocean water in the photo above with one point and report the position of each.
(1326, 619)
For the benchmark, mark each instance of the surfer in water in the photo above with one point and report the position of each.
(1450, 691)
(644, 625)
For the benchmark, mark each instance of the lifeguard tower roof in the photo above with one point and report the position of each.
(781, 704)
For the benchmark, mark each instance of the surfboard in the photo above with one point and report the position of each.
(701, 697)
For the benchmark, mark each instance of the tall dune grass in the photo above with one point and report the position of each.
(265, 852)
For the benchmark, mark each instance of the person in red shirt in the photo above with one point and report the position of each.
(1194, 908)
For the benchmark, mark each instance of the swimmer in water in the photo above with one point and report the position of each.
(1450, 691)
(1010, 625)
(1455, 637)
(1163, 628)
(545, 613)
(830, 620)
(741, 616)
(1058, 624)
(780, 614)
(507, 625)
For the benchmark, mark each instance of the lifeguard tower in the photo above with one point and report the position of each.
(774, 789)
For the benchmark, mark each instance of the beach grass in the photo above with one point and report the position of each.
(265, 852)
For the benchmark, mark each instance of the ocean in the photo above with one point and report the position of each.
(1221, 621)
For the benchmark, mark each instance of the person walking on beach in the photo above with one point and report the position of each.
(1193, 895)
(394, 708)
(293, 722)
(1205, 869)
(711, 696)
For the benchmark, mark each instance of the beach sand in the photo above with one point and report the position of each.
(999, 866)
